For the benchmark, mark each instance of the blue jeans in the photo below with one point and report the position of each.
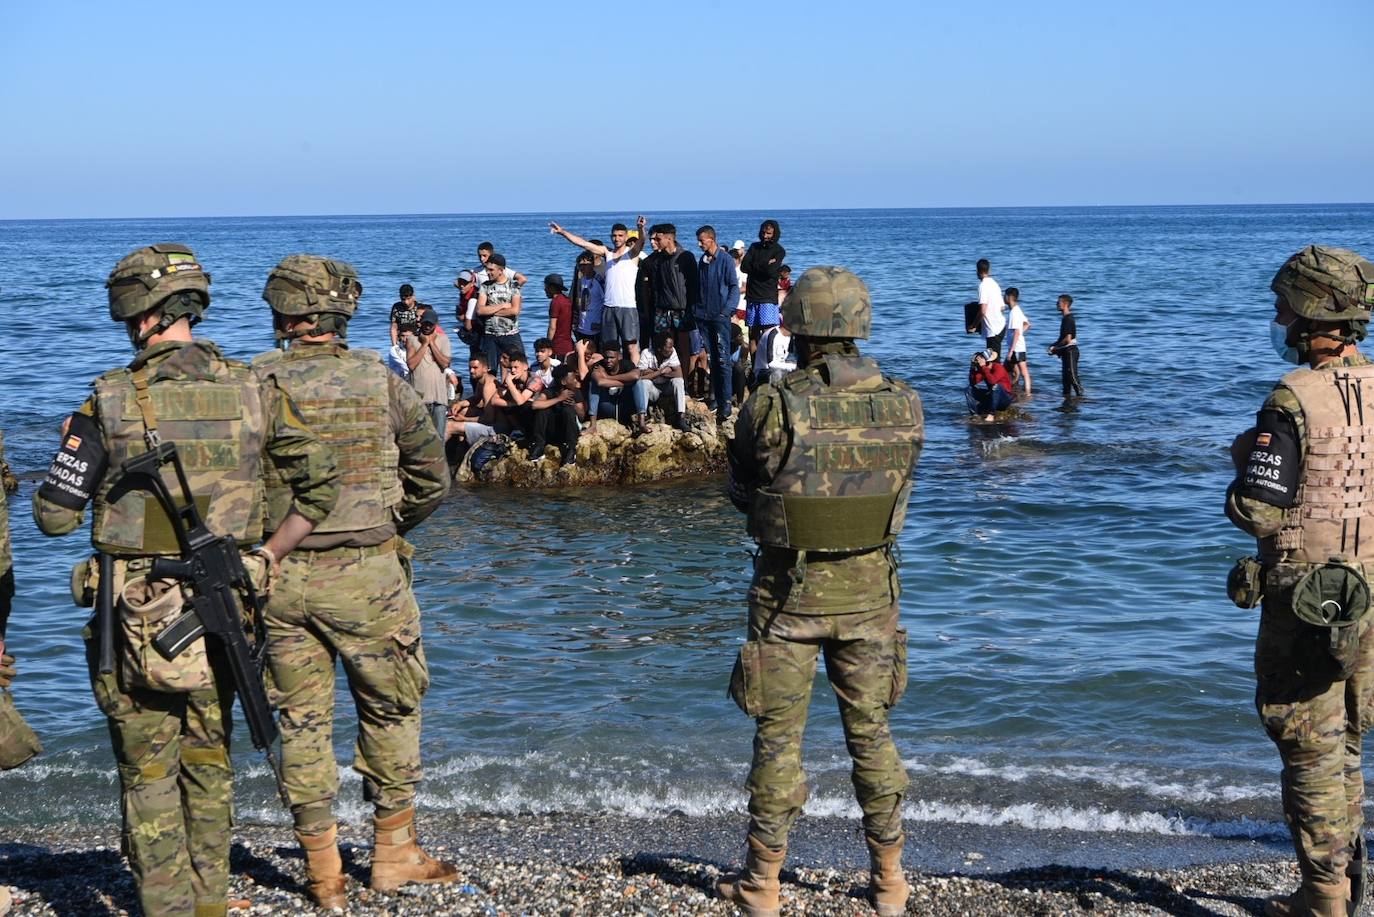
(987, 399)
(627, 395)
(717, 334)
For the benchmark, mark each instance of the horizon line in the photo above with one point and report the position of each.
(516, 213)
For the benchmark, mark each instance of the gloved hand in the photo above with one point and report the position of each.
(6, 670)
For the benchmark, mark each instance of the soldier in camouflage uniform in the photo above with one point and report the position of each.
(347, 593)
(17, 741)
(12, 744)
(822, 463)
(1302, 489)
(172, 747)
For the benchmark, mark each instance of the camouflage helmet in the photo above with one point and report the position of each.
(1327, 284)
(146, 279)
(309, 285)
(828, 302)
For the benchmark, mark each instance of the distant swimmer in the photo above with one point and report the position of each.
(989, 386)
(1301, 488)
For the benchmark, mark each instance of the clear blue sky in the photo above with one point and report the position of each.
(304, 107)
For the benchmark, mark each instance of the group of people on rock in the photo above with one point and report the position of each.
(643, 325)
(1002, 322)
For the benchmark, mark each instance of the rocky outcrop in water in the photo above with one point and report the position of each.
(611, 455)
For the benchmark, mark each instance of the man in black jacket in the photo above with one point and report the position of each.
(762, 263)
(676, 284)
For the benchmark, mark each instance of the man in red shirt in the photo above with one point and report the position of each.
(989, 386)
(560, 315)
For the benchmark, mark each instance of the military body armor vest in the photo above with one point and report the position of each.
(211, 408)
(852, 446)
(1332, 516)
(343, 395)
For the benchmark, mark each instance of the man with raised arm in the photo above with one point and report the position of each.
(620, 317)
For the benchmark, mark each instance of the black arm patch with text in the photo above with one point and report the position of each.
(78, 467)
(1272, 471)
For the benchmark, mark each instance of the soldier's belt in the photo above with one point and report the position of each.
(386, 547)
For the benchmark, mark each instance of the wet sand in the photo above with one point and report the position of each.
(581, 865)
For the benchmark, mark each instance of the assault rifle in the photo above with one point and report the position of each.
(211, 569)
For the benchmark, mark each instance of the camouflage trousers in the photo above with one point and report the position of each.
(1317, 720)
(865, 661)
(176, 788)
(353, 605)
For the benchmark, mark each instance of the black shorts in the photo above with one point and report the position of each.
(1013, 358)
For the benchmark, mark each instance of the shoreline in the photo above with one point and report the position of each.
(580, 864)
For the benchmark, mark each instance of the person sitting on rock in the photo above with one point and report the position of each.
(989, 386)
(513, 394)
(612, 383)
(740, 361)
(660, 373)
(473, 418)
(557, 413)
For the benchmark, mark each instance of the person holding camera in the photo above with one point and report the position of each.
(428, 354)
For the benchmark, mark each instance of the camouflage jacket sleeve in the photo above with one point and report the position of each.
(1259, 517)
(423, 467)
(53, 518)
(305, 462)
(753, 452)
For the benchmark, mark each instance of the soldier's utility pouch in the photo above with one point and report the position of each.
(146, 607)
(1245, 583)
(84, 581)
(17, 741)
(746, 681)
(1331, 599)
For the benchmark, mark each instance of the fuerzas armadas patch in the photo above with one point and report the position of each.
(78, 467)
(1271, 474)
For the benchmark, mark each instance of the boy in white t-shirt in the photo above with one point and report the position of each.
(1017, 326)
(660, 380)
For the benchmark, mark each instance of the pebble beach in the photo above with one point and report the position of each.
(533, 865)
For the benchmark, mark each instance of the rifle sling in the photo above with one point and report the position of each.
(145, 406)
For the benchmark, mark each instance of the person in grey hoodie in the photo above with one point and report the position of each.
(762, 263)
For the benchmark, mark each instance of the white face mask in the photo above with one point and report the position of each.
(1278, 336)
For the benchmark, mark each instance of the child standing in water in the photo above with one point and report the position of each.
(1066, 348)
(1017, 326)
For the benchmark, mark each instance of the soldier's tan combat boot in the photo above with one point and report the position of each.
(324, 868)
(887, 888)
(755, 890)
(1311, 900)
(398, 859)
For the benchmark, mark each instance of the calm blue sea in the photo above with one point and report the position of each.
(1074, 660)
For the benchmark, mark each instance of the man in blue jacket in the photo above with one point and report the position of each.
(719, 298)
